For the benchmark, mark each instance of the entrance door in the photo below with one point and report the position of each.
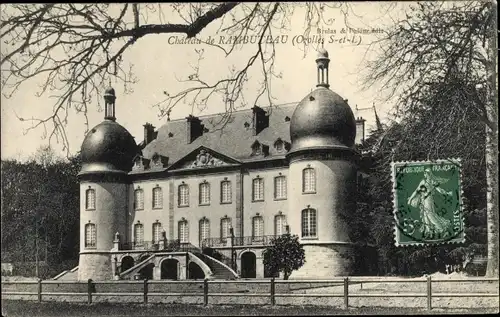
(169, 270)
(248, 265)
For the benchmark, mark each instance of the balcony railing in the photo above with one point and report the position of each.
(165, 245)
(237, 241)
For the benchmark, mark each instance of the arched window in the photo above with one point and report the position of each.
(157, 232)
(225, 225)
(183, 231)
(138, 234)
(280, 187)
(90, 199)
(225, 192)
(183, 195)
(157, 197)
(257, 228)
(139, 199)
(204, 193)
(309, 223)
(90, 235)
(204, 230)
(258, 189)
(279, 225)
(308, 180)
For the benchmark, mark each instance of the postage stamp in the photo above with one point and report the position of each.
(427, 202)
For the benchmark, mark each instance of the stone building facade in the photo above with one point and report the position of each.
(196, 184)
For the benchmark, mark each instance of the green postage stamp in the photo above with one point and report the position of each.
(428, 202)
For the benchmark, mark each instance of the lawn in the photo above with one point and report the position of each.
(33, 309)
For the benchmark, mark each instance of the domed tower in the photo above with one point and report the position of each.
(107, 156)
(322, 169)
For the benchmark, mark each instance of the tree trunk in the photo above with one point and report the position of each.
(286, 275)
(492, 153)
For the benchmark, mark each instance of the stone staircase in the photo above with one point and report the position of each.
(218, 268)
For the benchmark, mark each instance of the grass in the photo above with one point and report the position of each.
(26, 308)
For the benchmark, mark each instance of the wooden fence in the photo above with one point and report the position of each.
(205, 286)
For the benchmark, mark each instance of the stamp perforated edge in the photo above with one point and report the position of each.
(456, 161)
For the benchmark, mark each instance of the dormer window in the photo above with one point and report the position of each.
(279, 145)
(256, 148)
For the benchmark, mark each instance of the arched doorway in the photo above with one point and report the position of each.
(127, 263)
(248, 265)
(169, 270)
(147, 271)
(195, 272)
(143, 258)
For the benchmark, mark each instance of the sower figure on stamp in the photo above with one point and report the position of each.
(424, 197)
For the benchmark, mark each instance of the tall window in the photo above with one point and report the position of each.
(257, 228)
(280, 187)
(309, 223)
(90, 199)
(225, 192)
(225, 225)
(183, 231)
(279, 225)
(157, 230)
(157, 197)
(139, 199)
(90, 235)
(138, 234)
(183, 195)
(258, 189)
(204, 193)
(204, 230)
(308, 180)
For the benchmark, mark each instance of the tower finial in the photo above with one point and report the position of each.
(322, 63)
(109, 104)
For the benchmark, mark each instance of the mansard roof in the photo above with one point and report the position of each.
(233, 139)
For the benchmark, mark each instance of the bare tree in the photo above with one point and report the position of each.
(77, 48)
(448, 48)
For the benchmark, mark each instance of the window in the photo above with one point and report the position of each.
(204, 193)
(309, 223)
(90, 235)
(280, 187)
(157, 232)
(157, 197)
(258, 189)
(138, 234)
(183, 231)
(139, 199)
(308, 180)
(225, 225)
(183, 195)
(279, 225)
(257, 228)
(204, 230)
(225, 192)
(90, 199)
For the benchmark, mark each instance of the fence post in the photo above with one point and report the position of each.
(346, 292)
(273, 292)
(145, 291)
(89, 291)
(39, 290)
(429, 293)
(205, 292)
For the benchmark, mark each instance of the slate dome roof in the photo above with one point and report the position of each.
(323, 119)
(108, 147)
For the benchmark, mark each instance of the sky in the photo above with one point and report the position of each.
(158, 64)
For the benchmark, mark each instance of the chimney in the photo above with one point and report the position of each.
(260, 119)
(194, 128)
(360, 130)
(149, 130)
